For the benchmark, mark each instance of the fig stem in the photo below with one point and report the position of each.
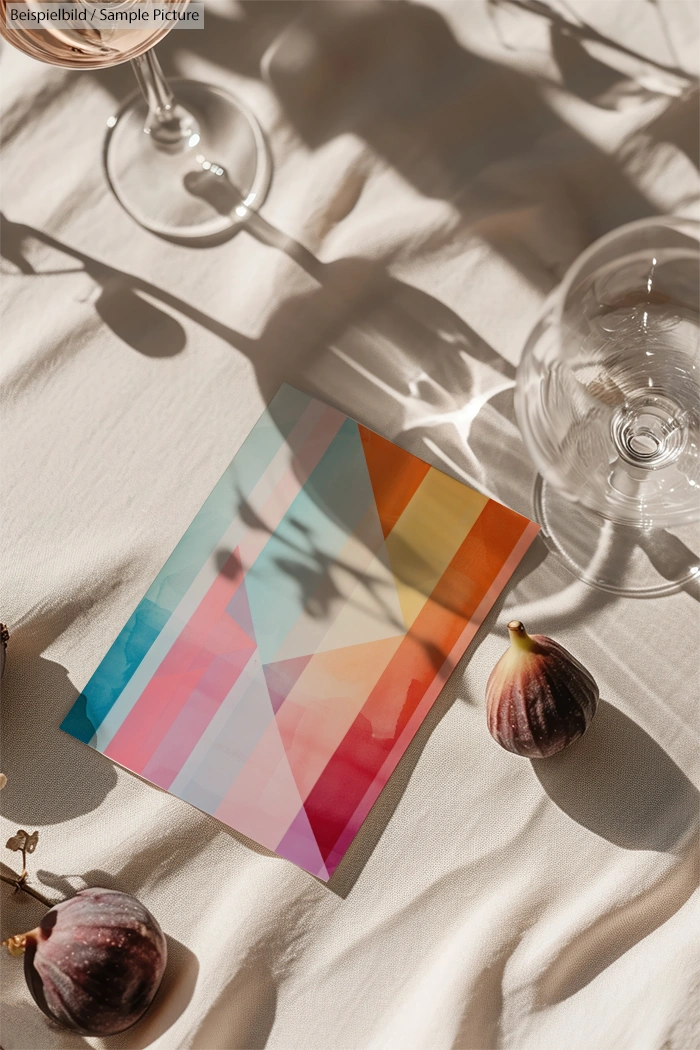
(19, 882)
(519, 638)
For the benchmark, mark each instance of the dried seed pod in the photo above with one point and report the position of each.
(539, 698)
(4, 639)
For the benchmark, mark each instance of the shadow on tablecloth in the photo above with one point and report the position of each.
(620, 784)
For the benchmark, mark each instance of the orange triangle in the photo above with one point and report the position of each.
(395, 476)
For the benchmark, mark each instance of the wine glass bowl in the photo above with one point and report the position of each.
(608, 388)
(82, 46)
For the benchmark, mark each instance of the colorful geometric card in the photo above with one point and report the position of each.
(288, 650)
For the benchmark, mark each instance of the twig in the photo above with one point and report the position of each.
(586, 32)
(19, 883)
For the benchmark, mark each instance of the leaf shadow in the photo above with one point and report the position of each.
(406, 97)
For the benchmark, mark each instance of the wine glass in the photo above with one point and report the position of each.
(159, 136)
(608, 402)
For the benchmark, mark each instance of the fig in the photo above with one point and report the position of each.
(95, 962)
(539, 698)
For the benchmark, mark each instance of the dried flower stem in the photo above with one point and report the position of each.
(23, 876)
(19, 882)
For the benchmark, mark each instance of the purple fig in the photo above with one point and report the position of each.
(94, 962)
(539, 698)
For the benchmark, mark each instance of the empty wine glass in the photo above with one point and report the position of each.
(159, 135)
(608, 402)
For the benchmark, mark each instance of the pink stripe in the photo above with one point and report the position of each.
(153, 739)
(195, 715)
(431, 694)
(208, 634)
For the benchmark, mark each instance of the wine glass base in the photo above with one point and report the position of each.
(161, 188)
(617, 558)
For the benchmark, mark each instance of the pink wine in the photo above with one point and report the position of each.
(80, 45)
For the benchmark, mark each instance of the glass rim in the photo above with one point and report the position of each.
(668, 221)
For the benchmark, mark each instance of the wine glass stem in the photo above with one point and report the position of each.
(168, 123)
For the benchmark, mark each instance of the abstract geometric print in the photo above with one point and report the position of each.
(289, 648)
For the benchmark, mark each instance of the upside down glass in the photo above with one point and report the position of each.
(160, 138)
(608, 402)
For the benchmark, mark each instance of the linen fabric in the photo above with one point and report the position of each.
(437, 168)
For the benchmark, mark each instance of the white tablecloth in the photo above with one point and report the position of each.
(446, 164)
